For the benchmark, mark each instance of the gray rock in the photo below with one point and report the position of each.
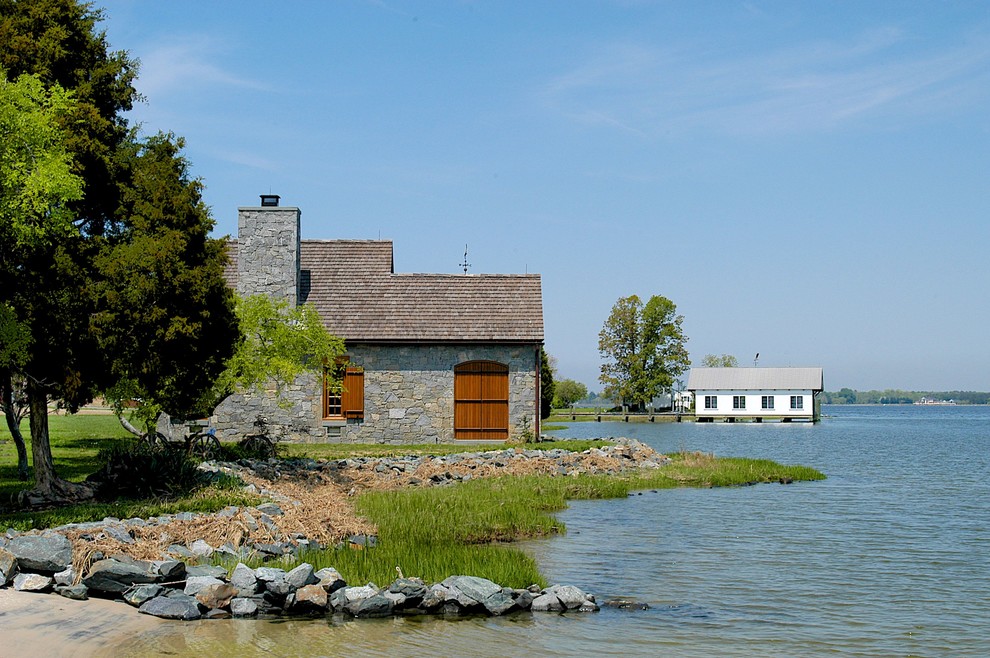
(547, 603)
(330, 579)
(75, 592)
(196, 584)
(570, 596)
(267, 574)
(351, 595)
(45, 553)
(200, 548)
(179, 550)
(65, 577)
(206, 570)
(8, 567)
(114, 577)
(138, 594)
(301, 576)
(243, 607)
(243, 578)
(270, 509)
(32, 582)
(411, 588)
(523, 598)
(374, 606)
(169, 570)
(172, 607)
(118, 533)
(217, 613)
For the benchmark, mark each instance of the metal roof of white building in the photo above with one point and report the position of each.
(750, 379)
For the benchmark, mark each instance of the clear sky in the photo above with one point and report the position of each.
(806, 180)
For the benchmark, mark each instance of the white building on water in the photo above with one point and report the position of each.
(757, 394)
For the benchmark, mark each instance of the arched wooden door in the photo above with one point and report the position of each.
(481, 400)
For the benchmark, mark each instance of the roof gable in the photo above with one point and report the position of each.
(353, 287)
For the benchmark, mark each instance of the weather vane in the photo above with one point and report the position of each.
(465, 264)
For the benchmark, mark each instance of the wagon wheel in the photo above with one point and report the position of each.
(205, 445)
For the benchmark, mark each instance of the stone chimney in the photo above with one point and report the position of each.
(268, 250)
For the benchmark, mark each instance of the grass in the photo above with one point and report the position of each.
(468, 528)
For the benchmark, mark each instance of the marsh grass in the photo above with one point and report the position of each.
(469, 528)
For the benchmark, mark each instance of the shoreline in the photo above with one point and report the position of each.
(51, 625)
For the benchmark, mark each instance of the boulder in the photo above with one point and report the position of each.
(373, 606)
(169, 570)
(243, 578)
(307, 599)
(32, 582)
(330, 579)
(270, 509)
(351, 595)
(75, 592)
(181, 607)
(471, 591)
(44, 553)
(196, 584)
(243, 607)
(547, 603)
(301, 576)
(113, 577)
(8, 567)
(206, 570)
(200, 548)
(65, 577)
(216, 596)
(571, 597)
(138, 594)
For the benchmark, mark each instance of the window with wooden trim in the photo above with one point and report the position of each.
(481, 400)
(343, 391)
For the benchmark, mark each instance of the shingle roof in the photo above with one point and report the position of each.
(352, 285)
(749, 379)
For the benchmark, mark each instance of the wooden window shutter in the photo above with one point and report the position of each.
(352, 401)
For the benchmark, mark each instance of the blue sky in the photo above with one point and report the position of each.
(806, 180)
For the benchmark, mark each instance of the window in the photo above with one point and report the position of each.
(738, 401)
(797, 402)
(767, 402)
(481, 400)
(348, 400)
(711, 402)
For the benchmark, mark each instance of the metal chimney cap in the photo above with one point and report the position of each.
(269, 200)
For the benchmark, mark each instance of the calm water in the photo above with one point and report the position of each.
(888, 557)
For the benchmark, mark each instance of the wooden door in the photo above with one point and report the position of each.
(481, 400)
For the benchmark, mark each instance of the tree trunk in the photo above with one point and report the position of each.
(48, 487)
(130, 428)
(13, 422)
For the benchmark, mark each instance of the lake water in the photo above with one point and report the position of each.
(890, 556)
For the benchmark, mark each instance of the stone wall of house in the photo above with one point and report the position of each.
(268, 252)
(408, 397)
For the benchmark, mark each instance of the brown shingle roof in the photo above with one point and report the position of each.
(352, 285)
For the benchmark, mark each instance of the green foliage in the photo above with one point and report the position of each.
(643, 349)
(569, 391)
(547, 385)
(36, 179)
(279, 344)
(165, 316)
(896, 396)
(136, 470)
(720, 361)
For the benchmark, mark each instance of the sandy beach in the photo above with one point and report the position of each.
(50, 625)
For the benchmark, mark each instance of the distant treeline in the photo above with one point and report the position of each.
(891, 396)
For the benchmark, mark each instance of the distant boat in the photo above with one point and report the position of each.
(926, 400)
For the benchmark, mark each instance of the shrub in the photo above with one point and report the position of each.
(137, 470)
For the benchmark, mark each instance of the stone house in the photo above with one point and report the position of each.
(430, 358)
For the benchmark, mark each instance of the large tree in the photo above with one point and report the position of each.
(128, 295)
(165, 316)
(36, 183)
(642, 348)
(547, 386)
